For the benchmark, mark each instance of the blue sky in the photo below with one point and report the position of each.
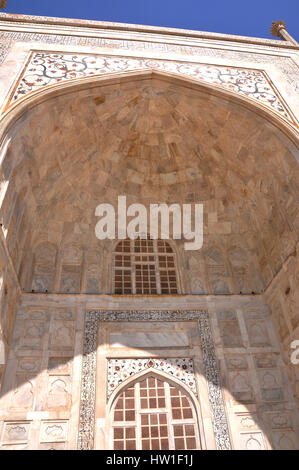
(251, 18)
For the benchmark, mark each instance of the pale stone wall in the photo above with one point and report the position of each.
(41, 394)
(43, 379)
(10, 294)
(283, 298)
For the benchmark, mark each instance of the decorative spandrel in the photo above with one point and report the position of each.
(45, 69)
(120, 370)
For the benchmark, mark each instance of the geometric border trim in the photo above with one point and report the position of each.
(88, 387)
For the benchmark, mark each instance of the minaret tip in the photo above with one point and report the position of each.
(276, 27)
(279, 30)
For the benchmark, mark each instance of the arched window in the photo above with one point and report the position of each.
(154, 414)
(144, 266)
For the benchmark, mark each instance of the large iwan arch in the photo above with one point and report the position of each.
(156, 138)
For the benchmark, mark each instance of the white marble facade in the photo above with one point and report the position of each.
(89, 109)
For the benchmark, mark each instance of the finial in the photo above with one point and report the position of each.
(2, 4)
(276, 27)
(279, 30)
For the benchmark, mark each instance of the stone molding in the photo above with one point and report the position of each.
(286, 65)
(79, 24)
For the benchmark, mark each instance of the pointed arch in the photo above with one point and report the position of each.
(153, 411)
(20, 108)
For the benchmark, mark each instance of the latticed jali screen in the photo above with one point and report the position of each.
(144, 267)
(154, 415)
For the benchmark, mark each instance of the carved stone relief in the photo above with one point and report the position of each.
(44, 268)
(23, 395)
(285, 440)
(16, 432)
(253, 441)
(53, 431)
(257, 333)
(240, 387)
(62, 335)
(229, 329)
(59, 392)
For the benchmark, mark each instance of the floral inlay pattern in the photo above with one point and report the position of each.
(120, 370)
(44, 69)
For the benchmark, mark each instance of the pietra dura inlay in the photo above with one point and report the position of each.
(47, 69)
(121, 369)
